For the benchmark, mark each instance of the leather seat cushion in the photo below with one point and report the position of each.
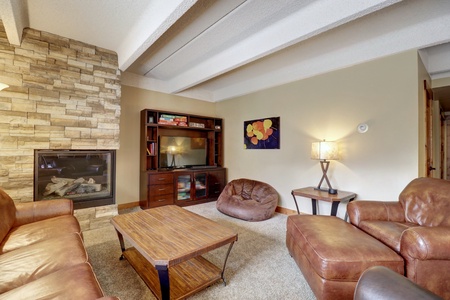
(26, 264)
(338, 250)
(75, 282)
(386, 231)
(28, 234)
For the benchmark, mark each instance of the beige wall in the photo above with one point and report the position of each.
(375, 165)
(133, 101)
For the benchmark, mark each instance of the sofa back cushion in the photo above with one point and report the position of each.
(7, 214)
(426, 202)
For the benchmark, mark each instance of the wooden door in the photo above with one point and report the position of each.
(442, 144)
(428, 94)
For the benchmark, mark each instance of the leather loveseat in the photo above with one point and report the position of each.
(248, 200)
(417, 227)
(42, 255)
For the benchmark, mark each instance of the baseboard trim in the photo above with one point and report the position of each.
(285, 211)
(127, 205)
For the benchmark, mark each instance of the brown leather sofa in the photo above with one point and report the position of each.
(381, 283)
(42, 255)
(248, 200)
(417, 227)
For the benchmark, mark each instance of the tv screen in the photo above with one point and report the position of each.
(182, 152)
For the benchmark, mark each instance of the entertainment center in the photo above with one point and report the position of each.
(181, 159)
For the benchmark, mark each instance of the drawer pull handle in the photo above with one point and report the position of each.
(161, 179)
(161, 200)
(162, 189)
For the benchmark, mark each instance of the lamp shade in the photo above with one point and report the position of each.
(3, 86)
(172, 150)
(325, 151)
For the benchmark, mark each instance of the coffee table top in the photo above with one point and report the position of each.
(169, 235)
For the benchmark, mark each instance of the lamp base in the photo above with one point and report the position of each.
(329, 191)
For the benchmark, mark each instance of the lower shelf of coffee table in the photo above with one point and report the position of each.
(185, 278)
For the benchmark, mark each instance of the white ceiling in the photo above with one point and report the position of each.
(216, 50)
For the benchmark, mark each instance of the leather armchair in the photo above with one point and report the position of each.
(417, 227)
(248, 200)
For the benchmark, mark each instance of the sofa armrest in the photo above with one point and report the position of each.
(426, 243)
(375, 211)
(380, 283)
(29, 212)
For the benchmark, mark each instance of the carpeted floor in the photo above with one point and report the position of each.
(259, 266)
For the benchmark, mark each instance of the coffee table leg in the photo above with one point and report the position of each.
(163, 274)
(225, 263)
(122, 244)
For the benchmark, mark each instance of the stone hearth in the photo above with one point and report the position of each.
(95, 217)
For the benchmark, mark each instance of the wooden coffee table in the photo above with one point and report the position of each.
(167, 244)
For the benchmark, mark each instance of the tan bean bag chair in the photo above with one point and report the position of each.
(248, 200)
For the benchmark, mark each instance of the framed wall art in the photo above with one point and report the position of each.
(262, 133)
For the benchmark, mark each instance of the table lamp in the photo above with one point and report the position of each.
(325, 151)
(172, 150)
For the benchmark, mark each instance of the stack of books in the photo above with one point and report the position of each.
(167, 119)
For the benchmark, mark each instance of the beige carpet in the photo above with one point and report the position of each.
(259, 266)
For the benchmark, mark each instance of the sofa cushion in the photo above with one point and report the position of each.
(386, 231)
(75, 282)
(7, 214)
(426, 202)
(29, 263)
(38, 231)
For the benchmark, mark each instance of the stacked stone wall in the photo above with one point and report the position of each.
(63, 94)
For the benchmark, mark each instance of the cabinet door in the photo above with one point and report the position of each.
(216, 183)
(200, 180)
(183, 187)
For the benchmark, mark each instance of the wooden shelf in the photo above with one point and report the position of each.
(207, 129)
(185, 278)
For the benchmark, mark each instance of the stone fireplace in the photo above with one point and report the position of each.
(63, 95)
(87, 177)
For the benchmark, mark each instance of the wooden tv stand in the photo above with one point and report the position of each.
(181, 186)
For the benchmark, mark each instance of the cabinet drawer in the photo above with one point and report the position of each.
(160, 189)
(160, 178)
(160, 200)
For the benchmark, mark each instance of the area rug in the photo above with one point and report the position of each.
(259, 266)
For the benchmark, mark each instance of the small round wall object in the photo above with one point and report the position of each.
(362, 128)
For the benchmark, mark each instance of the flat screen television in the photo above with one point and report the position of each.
(182, 152)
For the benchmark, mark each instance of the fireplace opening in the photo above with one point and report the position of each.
(87, 177)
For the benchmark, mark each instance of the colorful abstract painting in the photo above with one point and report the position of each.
(262, 133)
